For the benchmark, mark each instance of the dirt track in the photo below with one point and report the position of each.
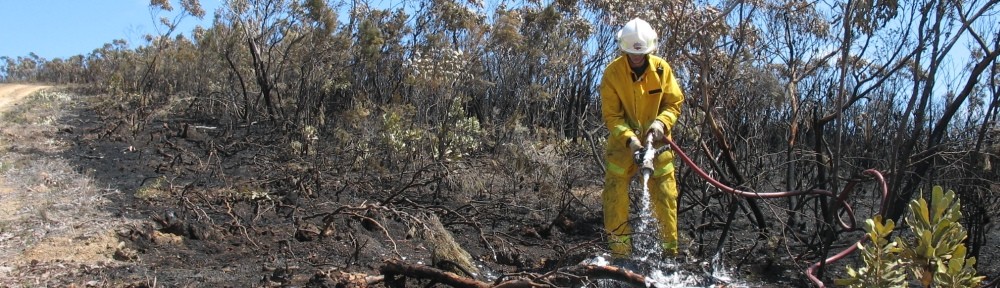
(12, 93)
(50, 215)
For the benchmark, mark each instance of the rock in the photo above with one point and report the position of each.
(191, 133)
(202, 231)
(126, 254)
(306, 232)
(160, 238)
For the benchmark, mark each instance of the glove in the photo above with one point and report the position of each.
(634, 144)
(657, 130)
(637, 149)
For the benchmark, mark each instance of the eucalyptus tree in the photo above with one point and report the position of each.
(24, 69)
(982, 130)
(110, 67)
(869, 52)
(802, 41)
(508, 69)
(377, 53)
(938, 97)
(924, 136)
(320, 60)
(884, 48)
(152, 78)
(262, 30)
(793, 37)
(7, 65)
(76, 66)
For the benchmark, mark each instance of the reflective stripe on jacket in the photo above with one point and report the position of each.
(630, 103)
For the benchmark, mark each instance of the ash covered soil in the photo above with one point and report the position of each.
(88, 199)
(92, 194)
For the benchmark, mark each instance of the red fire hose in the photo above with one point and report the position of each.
(841, 201)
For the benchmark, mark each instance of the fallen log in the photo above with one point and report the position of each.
(394, 268)
(576, 274)
(608, 272)
(346, 279)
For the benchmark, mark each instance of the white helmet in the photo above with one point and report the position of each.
(637, 37)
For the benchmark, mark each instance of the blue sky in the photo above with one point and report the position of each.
(63, 28)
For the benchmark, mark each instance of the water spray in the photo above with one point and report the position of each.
(645, 158)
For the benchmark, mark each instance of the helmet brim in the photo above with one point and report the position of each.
(630, 50)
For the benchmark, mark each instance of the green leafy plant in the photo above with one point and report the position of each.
(938, 254)
(883, 266)
(935, 256)
(399, 134)
(462, 137)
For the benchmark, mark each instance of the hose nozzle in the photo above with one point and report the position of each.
(646, 167)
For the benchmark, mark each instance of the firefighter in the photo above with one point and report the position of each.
(639, 94)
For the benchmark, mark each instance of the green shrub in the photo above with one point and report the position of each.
(400, 134)
(935, 256)
(883, 266)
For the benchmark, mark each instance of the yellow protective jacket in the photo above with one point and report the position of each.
(630, 103)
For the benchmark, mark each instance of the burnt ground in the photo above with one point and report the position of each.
(191, 202)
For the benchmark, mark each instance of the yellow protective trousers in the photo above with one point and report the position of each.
(663, 200)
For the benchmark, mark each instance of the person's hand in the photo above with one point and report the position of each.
(634, 144)
(657, 129)
(637, 149)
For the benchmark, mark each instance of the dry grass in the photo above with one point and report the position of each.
(48, 211)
